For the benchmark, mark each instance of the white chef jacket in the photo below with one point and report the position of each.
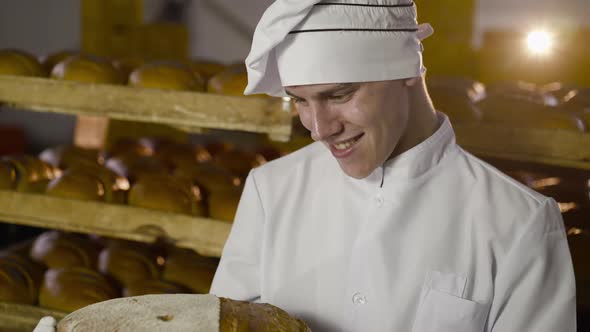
(434, 240)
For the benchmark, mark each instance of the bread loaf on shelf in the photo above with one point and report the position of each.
(77, 185)
(167, 76)
(87, 69)
(19, 63)
(186, 268)
(19, 279)
(127, 263)
(66, 156)
(166, 193)
(70, 289)
(60, 250)
(32, 174)
(232, 81)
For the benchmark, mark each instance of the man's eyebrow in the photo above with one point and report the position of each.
(292, 95)
(338, 88)
(329, 92)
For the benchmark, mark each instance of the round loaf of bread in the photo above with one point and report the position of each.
(19, 279)
(128, 264)
(87, 69)
(101, 181)
(77, 185)
(180, 313)
(66, 156)
(29, 271)
(59, 250)
(70, 289)
(232, 81)
(185, 267)
(14, 285)
(32, 174)
(167, 77)
(19, 63)
(166, 193)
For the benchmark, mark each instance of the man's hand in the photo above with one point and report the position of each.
(46, 324)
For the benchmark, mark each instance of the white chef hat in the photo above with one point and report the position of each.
(301, 42)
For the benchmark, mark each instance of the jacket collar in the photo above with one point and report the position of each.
(418, 160)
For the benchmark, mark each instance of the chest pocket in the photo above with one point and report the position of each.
(442, 309)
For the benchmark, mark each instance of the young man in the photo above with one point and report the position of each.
(384, 224)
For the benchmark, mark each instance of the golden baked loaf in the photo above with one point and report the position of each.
(232, 81)
(77, 185)
(14, 286)
(32, 174)
(180, 313)
(21, 258)
(166, 76)
(135, 167)
(166, 193)
(87, 69)
(70, 289)
(89, 181)
(127, 264)
(145, 287)
(19, 279)
(58, 250)
(186, 268)
(66, 156)
(19, 63)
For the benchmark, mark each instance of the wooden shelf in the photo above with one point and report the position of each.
(205, 236)
(185, 110)
(23, 318)
(550, 147)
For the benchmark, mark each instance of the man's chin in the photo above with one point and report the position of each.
(357, 172)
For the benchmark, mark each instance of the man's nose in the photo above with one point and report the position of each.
(325, 124)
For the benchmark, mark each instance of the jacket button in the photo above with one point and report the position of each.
(359, 299)
(379, 200)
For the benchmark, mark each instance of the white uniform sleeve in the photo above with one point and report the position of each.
(535, 286)
(238, 274)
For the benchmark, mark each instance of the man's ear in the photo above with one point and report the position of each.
(411, 81)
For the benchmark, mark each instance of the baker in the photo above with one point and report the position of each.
(384, 223)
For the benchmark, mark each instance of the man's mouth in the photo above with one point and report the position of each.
(341, 146)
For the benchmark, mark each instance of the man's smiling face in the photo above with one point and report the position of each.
(361, 123)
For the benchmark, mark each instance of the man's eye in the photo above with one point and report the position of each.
(298, 100)
(340, 97)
